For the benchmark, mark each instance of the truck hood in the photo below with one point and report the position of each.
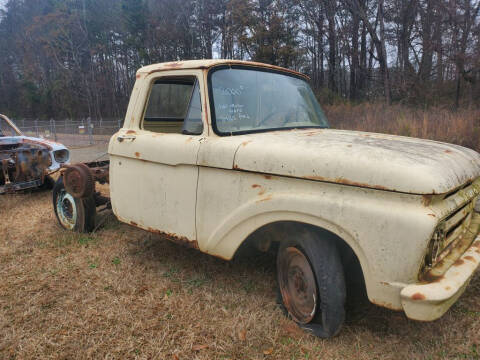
(378, 161)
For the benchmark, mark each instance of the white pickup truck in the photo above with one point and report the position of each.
(216, 153)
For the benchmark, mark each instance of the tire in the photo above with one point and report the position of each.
(72, 213)
(311, 283)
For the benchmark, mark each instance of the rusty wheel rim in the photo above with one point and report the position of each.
(297, 285)
(74, 182)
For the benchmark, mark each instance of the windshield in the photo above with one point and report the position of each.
(6, 129)
(253, 100)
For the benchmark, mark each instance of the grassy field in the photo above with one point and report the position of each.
(122, 293)
(460, 127)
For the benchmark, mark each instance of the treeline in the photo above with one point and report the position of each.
(77, 58)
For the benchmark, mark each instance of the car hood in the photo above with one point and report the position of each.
(378, 161)
(50, 145)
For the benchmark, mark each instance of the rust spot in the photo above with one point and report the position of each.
(182, 240)
(427, 200)
(349, 146)
(432, 215)
(133, 223)
(137, 154)
(319, 178)
(268, 177)
(189, 139)
(448, 288)
(458, 262)
(256, 186)
(236, 167)
(430, 278)
(45, 143)
(245, 143)
(476, 244)
(261, 192)
(384, 304)
(131, 132)
(266, 198)
(138, 76)
(470, 258)
(346, 182)
(448, 151)
(418, 296)
(173, 65)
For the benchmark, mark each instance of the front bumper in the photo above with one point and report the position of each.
(429, 301)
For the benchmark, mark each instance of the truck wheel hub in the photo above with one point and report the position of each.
(297, 285)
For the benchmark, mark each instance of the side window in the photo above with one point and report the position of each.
(174, 107)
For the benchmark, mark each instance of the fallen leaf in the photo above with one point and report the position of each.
(175, 357)
(199, 347)
(268, 351)
(242, 335)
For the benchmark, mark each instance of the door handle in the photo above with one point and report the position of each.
(121, 138)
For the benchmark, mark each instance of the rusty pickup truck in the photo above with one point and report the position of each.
(218, 153)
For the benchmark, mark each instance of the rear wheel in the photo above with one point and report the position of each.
(311, 282)
(73, 213)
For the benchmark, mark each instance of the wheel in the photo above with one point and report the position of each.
(73, 213)
(311, 282)
(78, 181)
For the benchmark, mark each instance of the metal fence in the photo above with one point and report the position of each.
(71, 133)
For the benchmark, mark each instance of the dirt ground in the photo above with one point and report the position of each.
(89, 153)
(122, 293)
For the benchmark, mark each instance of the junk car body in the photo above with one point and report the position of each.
(26, 162)
(216, 153)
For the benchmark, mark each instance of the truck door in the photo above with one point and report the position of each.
(153, 171)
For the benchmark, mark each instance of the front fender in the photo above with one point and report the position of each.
(389, 232)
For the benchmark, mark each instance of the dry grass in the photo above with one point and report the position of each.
(126, 294)
(460, 127)
(123, 293)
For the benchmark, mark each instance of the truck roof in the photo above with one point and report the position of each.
(206, 64)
